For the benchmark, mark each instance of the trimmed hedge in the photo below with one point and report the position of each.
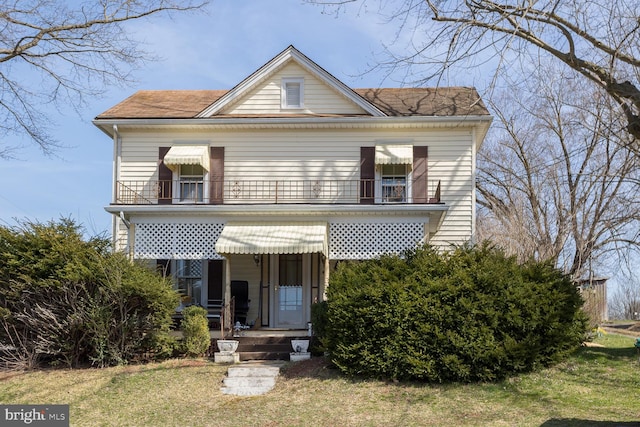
(472, 314)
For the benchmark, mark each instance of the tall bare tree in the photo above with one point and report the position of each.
(555, 178)
(598, 39)
(60, 52)
(624, 303)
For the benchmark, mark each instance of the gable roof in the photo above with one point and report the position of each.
(395, 102)
(381, 102)
(284, 57)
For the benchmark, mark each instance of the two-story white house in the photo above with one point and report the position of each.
(271, 183)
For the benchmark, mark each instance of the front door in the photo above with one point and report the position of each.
(290, 291)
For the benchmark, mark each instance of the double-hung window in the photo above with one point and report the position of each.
(188, 278)
(292, 93)
(394, 183)
(191, 184)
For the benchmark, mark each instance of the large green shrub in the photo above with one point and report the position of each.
(195, 330)
(70, 301)
(319, 320)
(472, 314)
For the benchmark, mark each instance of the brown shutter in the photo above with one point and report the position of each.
(367, 175)
(165, 178)
(216, 176)
(420, 183)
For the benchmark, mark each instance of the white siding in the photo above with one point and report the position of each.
(319, 98)
(322, 154)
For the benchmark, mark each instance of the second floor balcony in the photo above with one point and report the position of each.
(360, 191)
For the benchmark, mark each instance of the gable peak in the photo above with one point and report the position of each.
(289, 54)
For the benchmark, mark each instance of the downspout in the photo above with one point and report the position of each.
(474, 145)
(117, 152)
(117, 141)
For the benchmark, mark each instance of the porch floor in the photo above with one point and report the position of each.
(264, 332)
(256, 333)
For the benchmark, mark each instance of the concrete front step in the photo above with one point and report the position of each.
(253, 370)
(250, 379)
(245, 391)
(254, 381)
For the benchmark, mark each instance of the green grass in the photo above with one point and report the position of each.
(595, 387)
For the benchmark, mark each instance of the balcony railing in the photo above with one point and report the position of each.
(361, 191)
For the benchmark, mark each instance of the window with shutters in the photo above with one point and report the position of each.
(393, 180)
(191, 184)
(292, 93)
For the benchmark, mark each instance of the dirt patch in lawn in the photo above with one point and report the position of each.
(316, 367)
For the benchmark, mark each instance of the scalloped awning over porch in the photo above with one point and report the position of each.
(273, 238)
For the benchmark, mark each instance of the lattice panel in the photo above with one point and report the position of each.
(368, 240)
(176, 241)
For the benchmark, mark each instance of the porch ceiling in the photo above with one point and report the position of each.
(273, 238)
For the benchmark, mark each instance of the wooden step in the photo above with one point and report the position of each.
(263, 348)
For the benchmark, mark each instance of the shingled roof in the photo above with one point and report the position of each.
(185, 104)
(441, 101)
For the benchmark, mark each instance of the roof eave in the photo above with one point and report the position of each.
(472, 120)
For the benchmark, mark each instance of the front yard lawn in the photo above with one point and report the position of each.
(596, 385)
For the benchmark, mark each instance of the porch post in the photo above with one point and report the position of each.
(326, 278)
(227, 293)
(131, 240)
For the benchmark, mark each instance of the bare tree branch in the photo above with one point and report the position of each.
(55, 53)
(555, 179)
(599, 40)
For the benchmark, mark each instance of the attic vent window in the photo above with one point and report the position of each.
(292, 93)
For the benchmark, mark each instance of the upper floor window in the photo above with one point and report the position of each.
(292, 93)
(394, 183)
(189, 168)
(393, 172)
(191, 182)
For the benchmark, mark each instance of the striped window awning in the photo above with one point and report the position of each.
(187, 155)
(273, 238)
(394, 154)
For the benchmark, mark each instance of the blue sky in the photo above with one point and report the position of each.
(214, 49)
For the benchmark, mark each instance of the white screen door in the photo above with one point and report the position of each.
(289, 292)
